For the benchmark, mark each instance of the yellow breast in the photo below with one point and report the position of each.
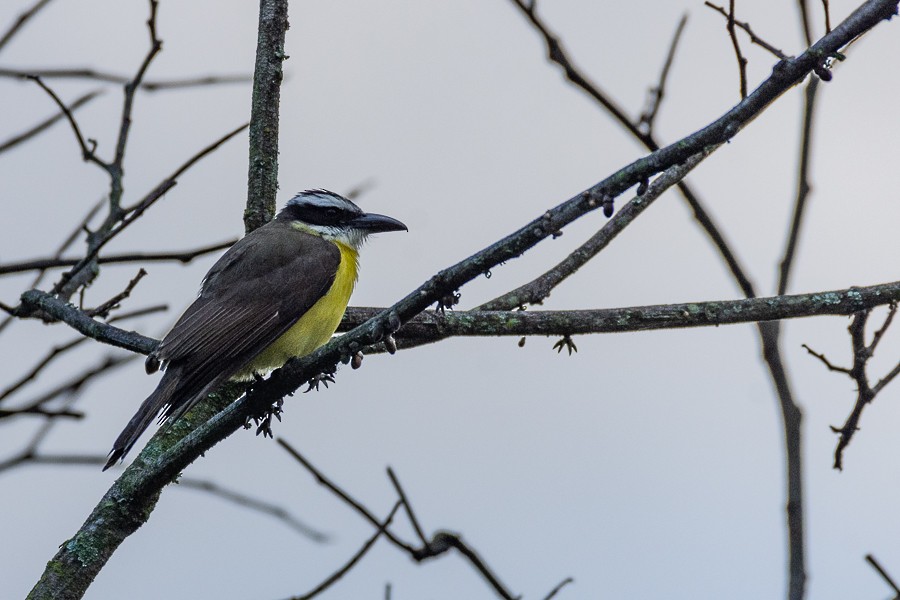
(317, 325)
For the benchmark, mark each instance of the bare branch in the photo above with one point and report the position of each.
(41, 412)
(33, 373)
(892, 311)
(754, 39)
(440, 543)
(337, 491)
(57, 351)
(803, 185)
(770, 336)
(656, 94)
(433, 325)
(131, 88)
(559, 587)
(183, 256)
(382, 527)
(537, 290)
(130, 501)
(254, 504)
(103, 310)
(262, 185)
(21, 20)
(409, 509)
(60, 250)
(884, 575)
(134, 212)
(804, 21)
(742, 62)
(892, 374)
(145, 85)
(87, 153)
(828, 364)
(858, 372)
(29, 453)
(47, 123)
(37, 302)
(35, 406)
(558, 55)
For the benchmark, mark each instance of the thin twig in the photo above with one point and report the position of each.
(892, 374)
(47, 123)
(57, 351)
(884, 575)
(69, 387)
(657, 93)
(804, 21)
(557, 54)
(103, 310)
(131, 88)
(828, 364)
(35, 371)
(135, 211)
(20, 22)
(537, 290)
(324, 481)
(865, 393)
(87, 153)
(742, 62)
(244, 501)
(79, 277)
(876, 338)
(770, 335)
(106, 77)
(803, 185)
(59, 252)
(40, 411)
(792, 421)
(184, 256)
(440, 543)
(754, 39)
(29, 452)
(409, 509)
(334, 577)
(558, 587)
(445, 540)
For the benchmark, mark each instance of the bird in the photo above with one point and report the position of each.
(278, 293)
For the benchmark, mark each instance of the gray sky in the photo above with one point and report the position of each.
(645, 466)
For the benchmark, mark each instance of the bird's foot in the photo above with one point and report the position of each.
(565, 343)
(320, 379)
(264, 422)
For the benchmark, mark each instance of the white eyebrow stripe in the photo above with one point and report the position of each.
(322, 199)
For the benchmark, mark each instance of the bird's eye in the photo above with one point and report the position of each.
(332, 212)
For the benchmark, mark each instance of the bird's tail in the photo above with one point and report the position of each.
(155, 402)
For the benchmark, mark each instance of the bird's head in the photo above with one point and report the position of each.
(334, 217)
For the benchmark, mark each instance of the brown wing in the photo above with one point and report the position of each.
(250, 297)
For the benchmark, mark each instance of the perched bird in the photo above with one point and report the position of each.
(279, 292)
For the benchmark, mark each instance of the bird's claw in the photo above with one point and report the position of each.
(264, 422)
(321, 378)
(567, 343)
